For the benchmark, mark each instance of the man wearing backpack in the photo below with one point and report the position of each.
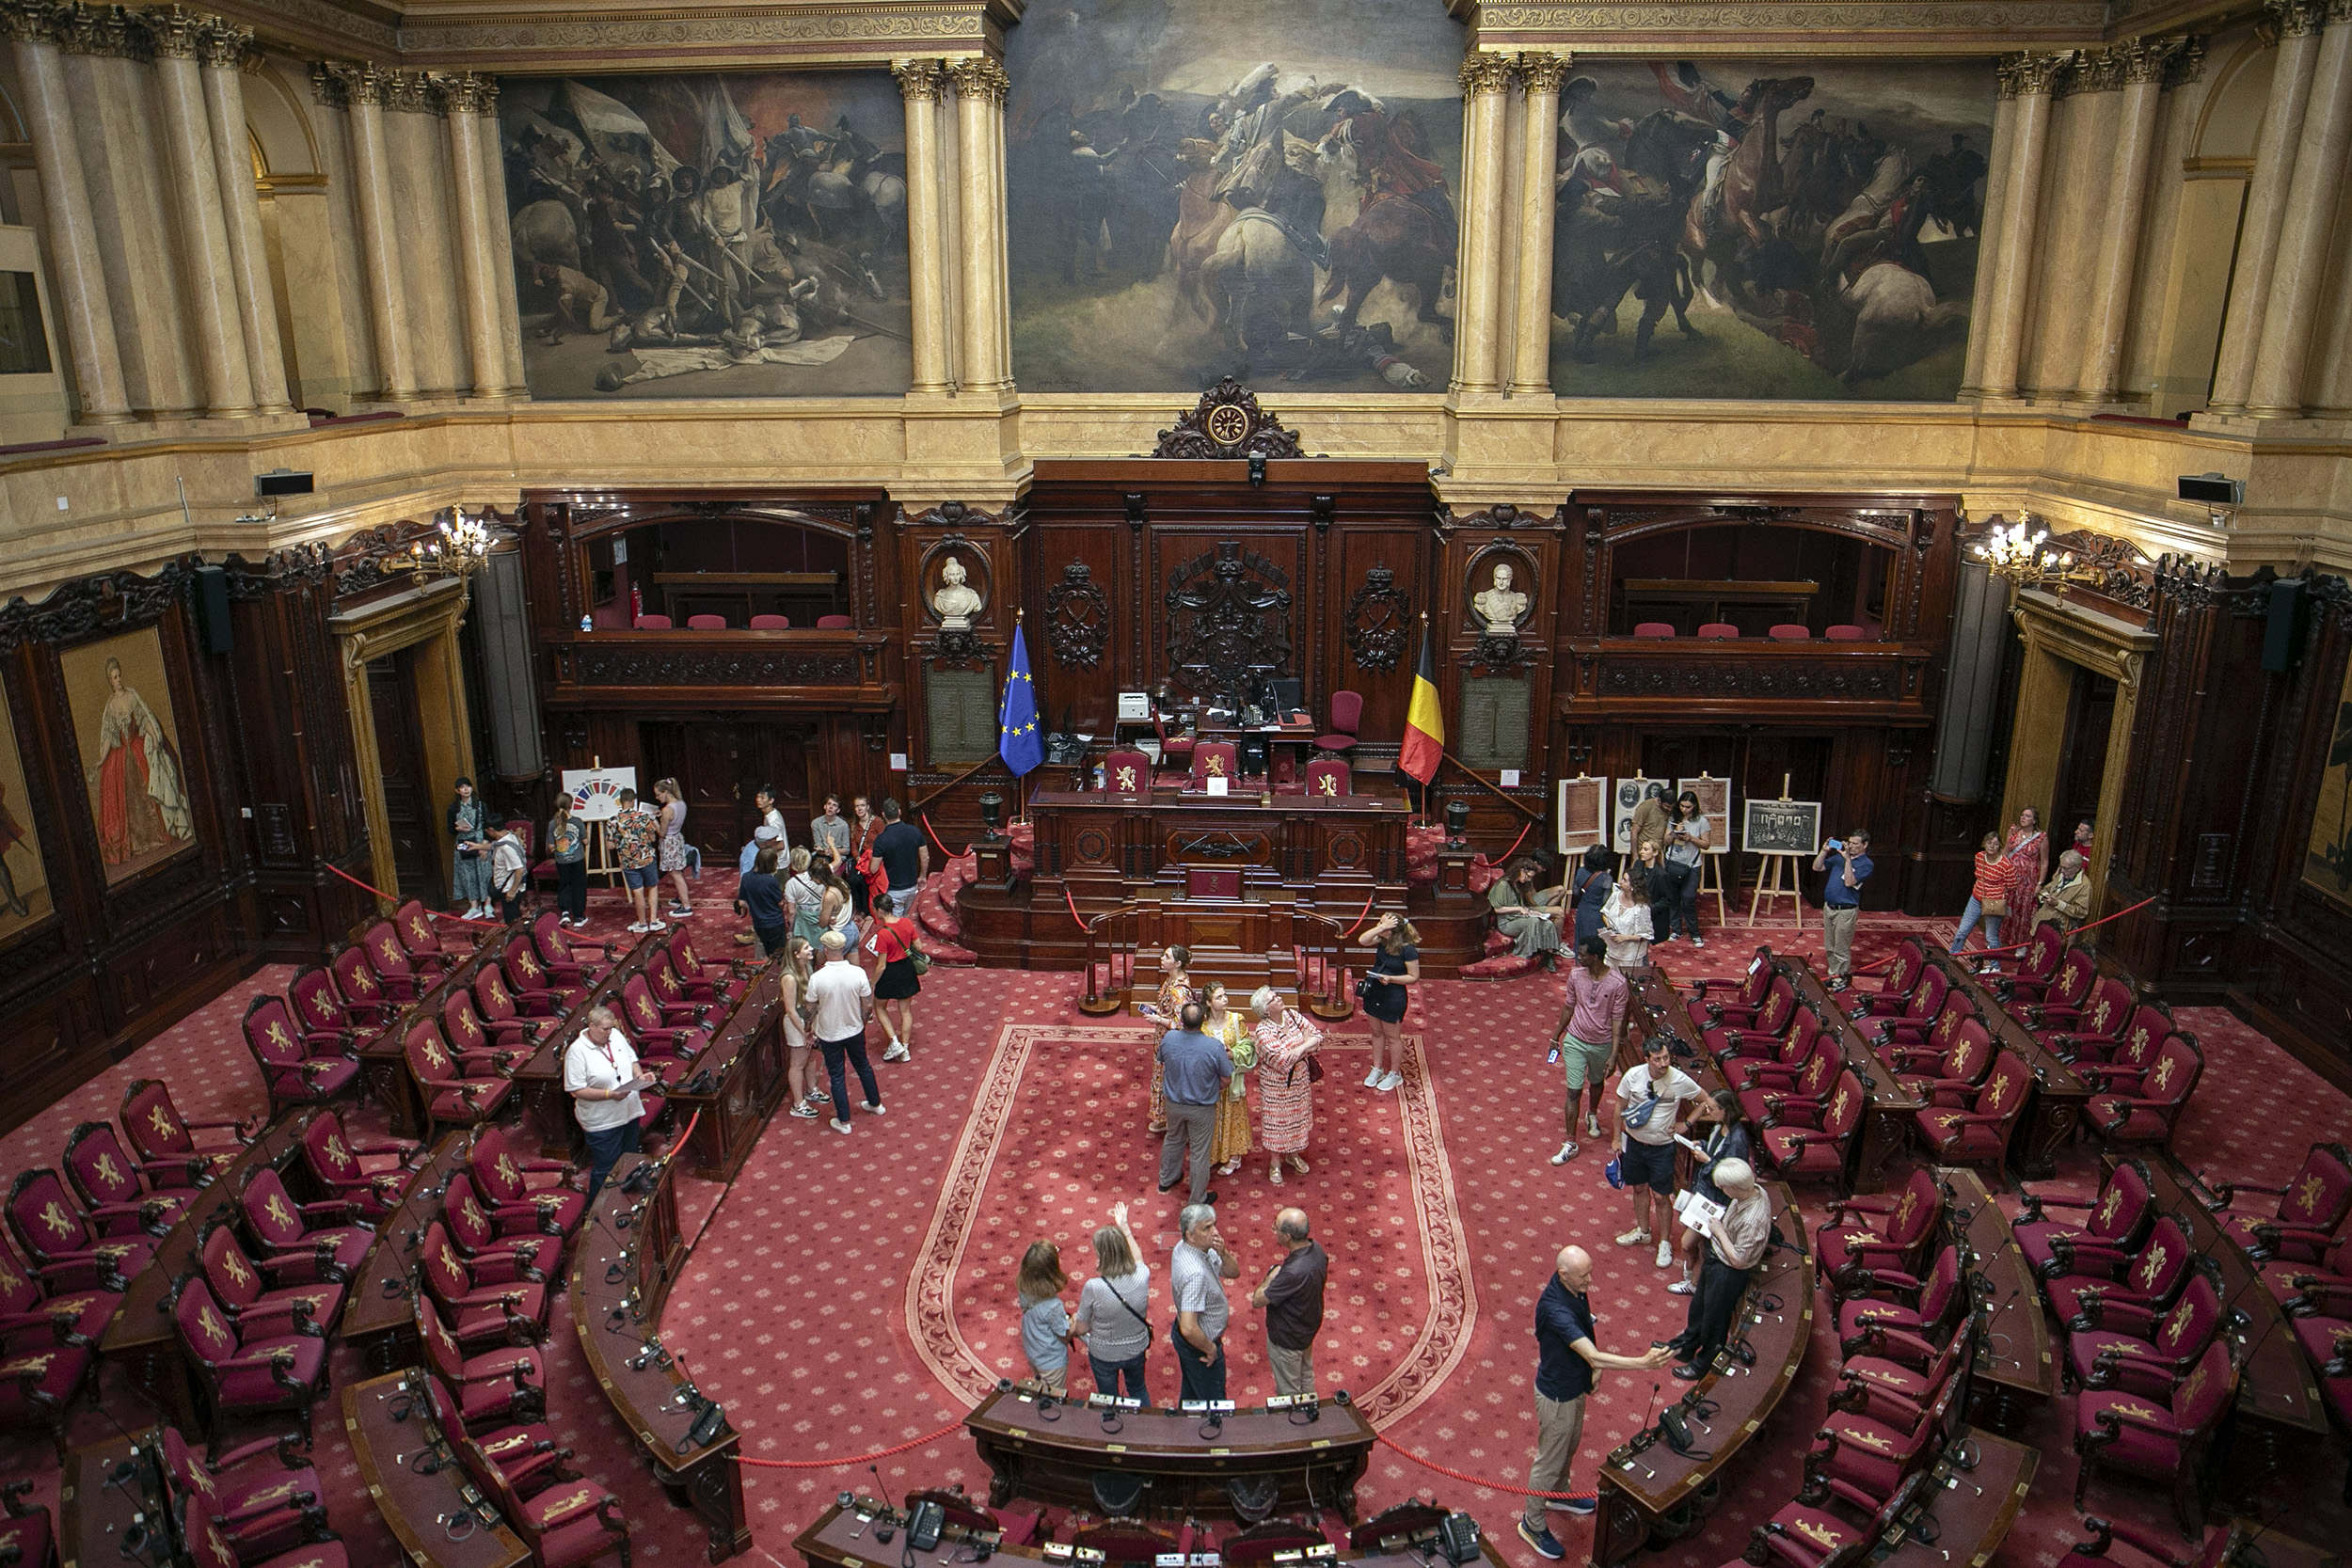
(1649, 1112)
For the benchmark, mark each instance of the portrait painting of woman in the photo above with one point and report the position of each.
(138, 788)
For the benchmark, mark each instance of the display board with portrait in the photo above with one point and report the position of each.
(23, 874)
(1624, 795)
(1782, 827)
(120, 695)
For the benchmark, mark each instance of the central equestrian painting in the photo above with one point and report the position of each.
(1768, 229)
(1191, 196)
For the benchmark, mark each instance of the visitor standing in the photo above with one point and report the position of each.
(1649, 1108)
(890, 949)
(634, 832)
(1848, 863)
(796, 1007)
(1686, 856)
(865, 826)
(469, 873)
(1726, 1138)
(672, 852)
(906, 860)
(1648, 822)
(1626, 923)
(1988, 897)
(1194, 1069)
(2027, 855)
(804, 892)
(760, 897)
(1113, 1311)
(567, 845)
(845, 1000)
(1589, 888)
(1395, 970)
(1736, 1242)
(1287, 1042)
(1197, 1273)
(828, 836)
(509, 872)
(598, 1066)
(1175, 990)
(1291, 1295)
(1590, 1033)
(1565, 1359)
(1231, 1140)
(1044, 1322)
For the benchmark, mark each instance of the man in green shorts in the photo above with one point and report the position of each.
(1591, 1031)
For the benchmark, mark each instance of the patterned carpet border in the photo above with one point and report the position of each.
(1438, 1346)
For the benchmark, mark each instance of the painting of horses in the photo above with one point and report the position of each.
(1190, 194)
(710, 235)
(1730, 229)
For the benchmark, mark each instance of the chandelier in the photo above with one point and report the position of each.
(458, 547)
(2021, 551)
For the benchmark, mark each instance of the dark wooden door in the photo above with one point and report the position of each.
(409, 798)
(2083, 763)
(720, 767)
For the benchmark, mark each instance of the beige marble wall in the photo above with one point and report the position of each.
(114, 122)
(2076, 192)
(418, 143)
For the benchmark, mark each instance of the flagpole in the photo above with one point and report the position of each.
(1021, 785)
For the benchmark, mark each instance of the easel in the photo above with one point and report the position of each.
(1711, 862)
(600, 862)
(1778, 875)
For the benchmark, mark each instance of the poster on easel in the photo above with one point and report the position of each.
(1714, 804)
(595, 791)
(1782, 827)
(1623, 795)
(1583, 814)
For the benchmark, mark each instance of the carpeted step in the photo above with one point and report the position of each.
(949, 954)
(938, 918)
(1503, 966)
(1497, 942)
(1116, 972)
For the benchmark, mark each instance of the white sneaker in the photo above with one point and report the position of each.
(1681, 1288)
(1391, 1083)
(896, 1053)
(1372, 1079)
(656, 925)
(841, 1127)
(869, 1110)
(1634, 1238)
(1665, 1255)
(1592, 1124)
(1568, 1152)
(1699, 941)
(638, 926)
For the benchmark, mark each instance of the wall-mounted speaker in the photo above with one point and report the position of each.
(503, 620)
(2282, 631)
(211, 597)
(1963, 734)
(281, 482)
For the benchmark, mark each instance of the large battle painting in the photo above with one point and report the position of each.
(1194, 191)
(1768, 229)
(699, 236)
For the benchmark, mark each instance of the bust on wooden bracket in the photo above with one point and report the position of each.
(1227, 422)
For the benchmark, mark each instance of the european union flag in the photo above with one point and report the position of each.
(1017, 738)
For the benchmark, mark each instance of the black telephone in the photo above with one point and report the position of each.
(924, 1525)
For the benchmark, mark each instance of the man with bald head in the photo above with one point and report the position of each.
(1566, 1360)
(1292, 1295)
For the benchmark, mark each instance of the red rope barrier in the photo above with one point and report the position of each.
(951, 854)
(852, 1459)
(1073, 905)
(1524, 829)
(1461, 1476)
(429, 914)
(1363, 914)
(2019, 946)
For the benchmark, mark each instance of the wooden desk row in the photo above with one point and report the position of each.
(2015, 1371)
(844, 1538)
(1886, 1125)
(383, 1062)
(378, 1321)
(2054, 1108)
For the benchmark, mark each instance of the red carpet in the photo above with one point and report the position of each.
(1019, 1116)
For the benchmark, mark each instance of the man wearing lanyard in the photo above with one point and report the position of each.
(1848, 863)
(598, 1063)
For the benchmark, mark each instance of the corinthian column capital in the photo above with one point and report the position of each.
(342, 84)
(1484, 73)
(227, 46)
(175, 31)
(979, 77)
(2039, 75)
(466, 93)
(2294, 19)
(30, 21)
(918, 79)
(1543, 73)
(103, 30)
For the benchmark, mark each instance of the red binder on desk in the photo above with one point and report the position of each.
(1212, 881)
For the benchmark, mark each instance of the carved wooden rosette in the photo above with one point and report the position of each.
(1227, 422)
(1077, 618)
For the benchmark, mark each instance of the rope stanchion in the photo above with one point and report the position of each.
(952, 854)
(429, 914)
(1386, 1440)
(848, 1460)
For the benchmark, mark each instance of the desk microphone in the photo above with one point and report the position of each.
(617, 1270)
(1989, 1335)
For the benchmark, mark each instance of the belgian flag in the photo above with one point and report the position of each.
(1424, 718)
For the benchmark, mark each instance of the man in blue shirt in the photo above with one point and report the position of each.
(1566, 1360)
(1194, 1070)
(1848, 863)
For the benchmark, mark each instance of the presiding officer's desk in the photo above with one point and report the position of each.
(845, 1538)
(1053, 1458)
(1297, 838)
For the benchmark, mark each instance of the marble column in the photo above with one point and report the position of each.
(980, 84)
(1531, 368)
(362, 89)
(1996, 160)
(471, 101)
(2292, 318)
(228, 53)
(920, 83)
(1486, 99)
(2037, 78)
(204, 257)
(71, 230)
(2143, 64)
(2298, 22)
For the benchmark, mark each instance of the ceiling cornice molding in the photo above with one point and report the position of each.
(534, 36)
(1815, 28)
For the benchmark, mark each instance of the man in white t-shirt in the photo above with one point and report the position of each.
(1645, 1154)
(843, 999)
(596, 1066)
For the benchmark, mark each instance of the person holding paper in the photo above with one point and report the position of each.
(600, 1074)
(1649, 1109)
(1736, 1242)
(1726, 1137)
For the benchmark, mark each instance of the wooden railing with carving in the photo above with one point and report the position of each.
(850, 670)
(1754, 677)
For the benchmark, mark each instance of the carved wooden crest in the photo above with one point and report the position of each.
(1229, 620)
(1228, 422)
(1077, 618)
(1380, 616)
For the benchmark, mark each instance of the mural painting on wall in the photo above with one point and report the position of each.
(138, 790)
(702, 236)
(1767, 228)
(2328, 866)
(23, 876)
(1188, 198)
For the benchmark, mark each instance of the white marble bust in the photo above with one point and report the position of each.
(956, 602)
(1500, 606)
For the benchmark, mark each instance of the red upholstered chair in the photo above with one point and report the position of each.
(700, 980)
(564, 1525)
(264, 1496)
(1911, 1025)
(834, 623)
(1719, 631)
(2060, 1006)
(1216, 759)
(2136, 1286)
(1810, 1137)
(665, 1050)
(1776, 1071)
(328, 1232)
(1738, 1005)
(2037, 967)
(1761, 1038)
(1327, 778)
(707, 622)
(1924, 1307)
(2115, 1219)
(499, 1012)
(2309, 1208)
(772, 622)
(1843, 633)
(523, 1231)
(2142, 1105)
(389, 957)
(494, 1299)
(1127, 772)
(528, 1453)
(564, 956)
(2139, 1362)
(1347, 719)
(168, 1150)
(253, 1291)
(25, 1531)
(31, 1297)
(73, 1250)
(323, 1009)
(2133, 1042)
(1791, 631)
(1804, 1536)
(501, 1388)
(1654, 628)
(1175, 749)
(299, 1067)
(360, 981)
(273, 1369)
(452, 1093)
(1891, 1230)
(1962, 1068)
(2163, 1440)
(1891, 997)
(212, 1543)
(420, 939)
(654, 622)
(466, 1031)
(1902, 1363)
(1958, 1132)
(1870, 1439)
(374, 1173)
(536, 993)
(108, 1179)
(2106, 1014)
(48, 1353)
(504, 1178)
(1764, 1086)
(1909, 1051)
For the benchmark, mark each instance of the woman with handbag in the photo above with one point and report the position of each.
(1230, 1140)
(1287, 1070)
(1114, 1316)
(1386, 989)
(1988, 898)
(897, 974)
